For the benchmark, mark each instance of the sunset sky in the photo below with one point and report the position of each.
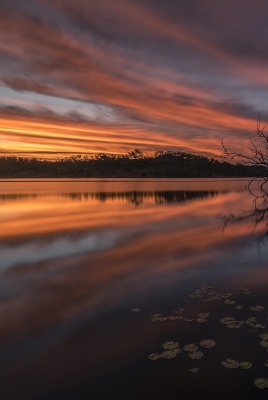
(88, 76)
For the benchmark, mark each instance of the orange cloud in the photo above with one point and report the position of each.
(164, 83)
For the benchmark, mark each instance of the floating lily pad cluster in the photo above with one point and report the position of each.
(233, 364)
(179, 316)
(207, 293)
(172, 350)
(232, 322)
(192, 351)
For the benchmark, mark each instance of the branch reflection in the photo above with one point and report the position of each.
(257, 215)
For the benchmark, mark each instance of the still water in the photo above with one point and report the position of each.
(98, 275)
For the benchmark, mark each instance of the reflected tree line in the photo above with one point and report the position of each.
(163, 164)
(133, 197)
(159, 197)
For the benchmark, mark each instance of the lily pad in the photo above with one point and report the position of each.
(264, 343)
(135, 309)
(226, 295)
(263, 336)
(171, 345)
(201, 320)
(261, 383)
(245, 290)
(245, 364)
(239, 307)
(203, 315)
(207, 343)
(196, 355)
(190, 347)
(257, 308)
(226, 320)
(229, 302)
(258, 326)
(170, 354)
(251, 320)
(230, 363)
(234, 324)
(155, 356)
(171, 318)
(156, 318)
(194, 370)
(213, 298)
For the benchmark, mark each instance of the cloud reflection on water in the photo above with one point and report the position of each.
(72, 264)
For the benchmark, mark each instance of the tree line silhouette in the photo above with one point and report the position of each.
(134, 164)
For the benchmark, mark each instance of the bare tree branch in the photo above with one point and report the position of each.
(258, 186)
(258, 153)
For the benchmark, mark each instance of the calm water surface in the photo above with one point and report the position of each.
(97, 275)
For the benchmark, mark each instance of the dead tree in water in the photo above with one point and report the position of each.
(257, 152)
(257, 187)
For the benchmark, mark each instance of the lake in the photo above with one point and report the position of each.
(131, 289)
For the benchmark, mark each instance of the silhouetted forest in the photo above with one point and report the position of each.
(163, 164)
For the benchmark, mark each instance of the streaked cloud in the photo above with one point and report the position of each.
(108, 76)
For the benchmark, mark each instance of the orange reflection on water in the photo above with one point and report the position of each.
(76, 259)
(25, 215)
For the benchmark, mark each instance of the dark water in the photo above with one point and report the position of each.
(86, 266)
